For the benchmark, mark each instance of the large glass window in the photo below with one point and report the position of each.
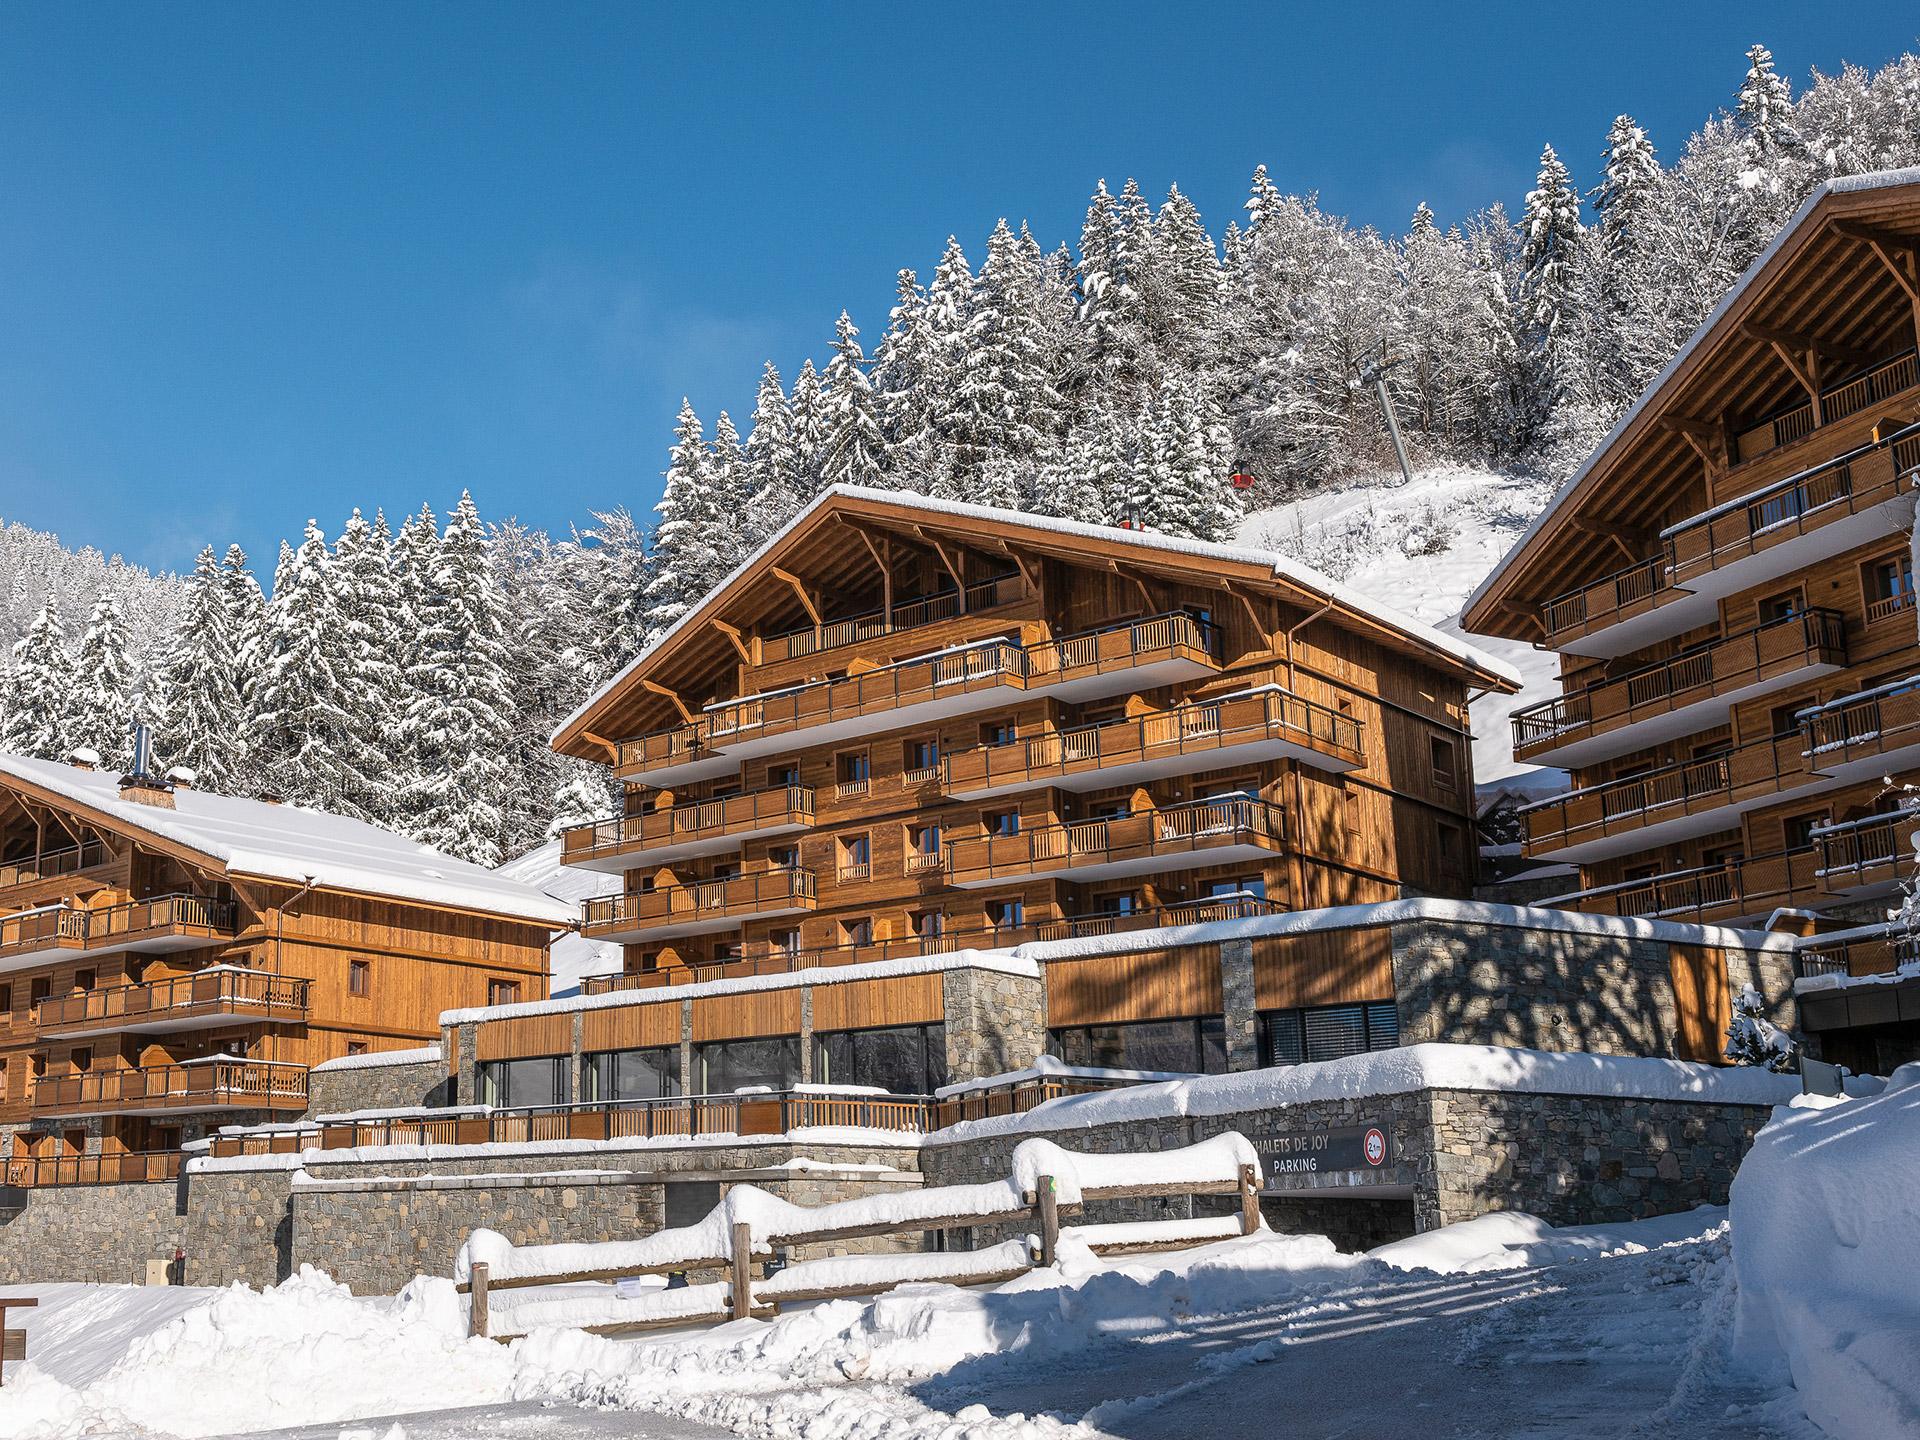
(1188, 1047)
(632, 1074)
(1326, 1032)
(728, 1065)
(906, 1059)
(539, 1081)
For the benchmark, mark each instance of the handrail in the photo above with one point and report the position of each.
(907, 615)
(733, 893)
(83, 928)
(215, 1081)
(1865, 844)
(1876, 384)
(722, 812)
(1855, 955)
(1868, 723)
(219, 987)
(65, 861)
(1174, 829)
(1747, 886)
(125, 1168)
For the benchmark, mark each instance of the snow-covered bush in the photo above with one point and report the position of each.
(1753, 1039)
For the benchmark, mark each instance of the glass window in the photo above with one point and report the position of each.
(1188, 1047)
(633, 1074)
(1006, 914)
(1327, 1032)
(539, 1081)
(1002, 822)
(906, 1059)
(728, 1065)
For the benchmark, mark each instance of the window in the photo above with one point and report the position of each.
(39, 990)
(920, 758)
(1119, 902)
(725, 952)
(5, 1071)
(905, 1060)
(1453, 848)
(83, 979)
(783, 857)
(1350, 806)
(928, 924)
(856, 857)
(851, 772)
(1779, 607)
(1245, 887)
(923, 848)
(503, 992)
(782, 777)
(784, 942)
(648, 1074)
(1785, 719)
(1006, 914)
(1888, 585)
(359, 977)
(6, 1000)
(537, 1081)
(1798, 830)
(1326, 1032)
(1440, 753)
(1185, 1047)
(1001, 822)
(356, 1047)
(995, 733)
(724, 1066)
(81, 1060)
(857, 932)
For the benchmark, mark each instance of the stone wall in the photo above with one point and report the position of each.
(102, 1233)
(376, 1087)
(994, 1022)
(238, 1227)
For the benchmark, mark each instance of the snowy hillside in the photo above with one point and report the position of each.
(573, 955)
(1422, 548)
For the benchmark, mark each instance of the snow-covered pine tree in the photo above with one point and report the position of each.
(103, 685)
(581, 799)
(808, 406)
(1753, 1039)
(1182, 302)
(461, 721)
(38, 716)
(1069, 484)
(1005, 405)
(686, 557)
(855, 449)
(614, 562)
(1626, 189)
(773, 466)
(732, 494)
(299, 726)
(1549, 257)
(1765, 110)
(198, 711)
(365, 647)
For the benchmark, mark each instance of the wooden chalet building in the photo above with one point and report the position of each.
(173, 960)
(1729, 583)
(906, 727)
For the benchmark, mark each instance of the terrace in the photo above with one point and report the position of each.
(1206, 832)
(700, 908)
(678, 832)
(213, 996)
(215, 1083)
(162, 923)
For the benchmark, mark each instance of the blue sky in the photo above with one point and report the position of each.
(264, 262)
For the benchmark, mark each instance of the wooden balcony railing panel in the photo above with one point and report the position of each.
(1857, 852)
(1177, 635)
(1856, 955)
(1856, 727)
(1187, 729)
(734, 895)
(1707, 894)
(53, 863)
(1778, 647)
(788, 805)
(236, 1084)
(216, 992)
(1156, 833)
(1615, 597)
(907, 615)
(81, 931)
(126, 1168)
(1875, 387)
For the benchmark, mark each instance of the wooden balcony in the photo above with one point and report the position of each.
(1674, 802)
(165, 922)
(1182, 837)
(1681, 695)
(1875, 387)
(1847, 955)
(51, 864)
(216, 1083)
(1264, 724)
(876, 624)
(701, 827)
(130, 1167)
(1868, 855)
(1743, 890)
(1873, 732)
(215, 996)
(701, 908)
(1136, 655)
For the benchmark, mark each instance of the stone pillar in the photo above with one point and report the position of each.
(687, 1077)
(1236, 993)
(576, 1069)
(467, 1091)
(806, 1034)
(994, 1022)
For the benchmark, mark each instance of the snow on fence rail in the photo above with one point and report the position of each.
(1044, 1181)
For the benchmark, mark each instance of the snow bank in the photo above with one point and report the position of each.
(1826, 1248)
(1514, 1240)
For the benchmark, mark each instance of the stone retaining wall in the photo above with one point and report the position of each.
(377, 1087)
(104, 1233)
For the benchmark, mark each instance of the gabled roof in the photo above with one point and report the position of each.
(1776, 259)
(1049, 532)
(287, 844)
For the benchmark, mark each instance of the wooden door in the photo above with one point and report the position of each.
(1702, 1003)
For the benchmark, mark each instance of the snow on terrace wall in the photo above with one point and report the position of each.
(341, 1087)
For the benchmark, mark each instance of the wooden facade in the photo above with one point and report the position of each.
(148, 992)
(1740, 705)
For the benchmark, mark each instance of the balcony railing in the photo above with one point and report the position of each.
(52, 863)
(1612, 598)
(215, 994)
(127, 1168)
(775, 892)
(1734, 890)
(193, 1085)
(769, 961)
(1778, 647)
(1092, 844)
(1197, 729)
(907, 615)
(989, 665)
(785, 807)
(1877, 385)
(70, 929)
(1873, 848)
(1690, 787)
(1851, 955)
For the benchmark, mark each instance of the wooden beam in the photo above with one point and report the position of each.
(1899, 254)
(1799, 368)
(1606, 529)
(601, 741)
(813, 611)
(1526, 614)
(1808, 344)
(658, 689)
(959, 576)
(732, 632)
(1129, 573)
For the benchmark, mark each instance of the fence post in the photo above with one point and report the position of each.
(1048, 1202)
(742, 1270)
(1249, 1200)
(477, 1312)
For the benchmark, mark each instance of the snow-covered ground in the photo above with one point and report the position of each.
(1422, 548)
(572, 955)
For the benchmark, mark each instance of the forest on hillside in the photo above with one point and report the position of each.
(411, 676)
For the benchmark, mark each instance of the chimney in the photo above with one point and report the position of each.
(183, 777)
(139, 784)
(84, 757)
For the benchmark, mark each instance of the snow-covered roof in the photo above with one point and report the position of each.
(379, 1059)
(1847, 184)
(573, 956)
(291, 844)
(1282, 567)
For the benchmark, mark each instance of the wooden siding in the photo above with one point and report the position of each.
(866, 1004)
(1323, 967)
(524, 1035)
(758, 1012)
(628, 1027)
(1149, 985)
(1703, 1005)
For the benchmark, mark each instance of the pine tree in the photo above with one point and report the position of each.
(198, 709)
(1005, 405)
(581, 799)
(855, 448)
(461, 720)
(365, 646)
(808, 405)
(1753, 1039)
(732, 493)
(299, 725)
(103, 685)
(773, 466)
(1627, 189)
(1765, 110)
(1549, 258)
(38, 721)
(686, 558)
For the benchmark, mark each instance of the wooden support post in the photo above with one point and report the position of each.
(742, 1270)
(1249, 1200)
(1047, 1202)
(477, 1311)
(13, 1343)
